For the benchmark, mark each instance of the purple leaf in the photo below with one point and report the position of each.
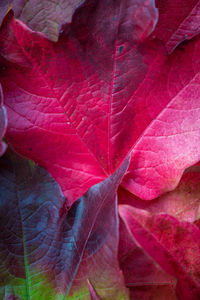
(49, 251)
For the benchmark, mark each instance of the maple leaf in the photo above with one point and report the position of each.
(103, 91)
(65, 97)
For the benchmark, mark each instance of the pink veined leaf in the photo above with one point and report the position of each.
(48, 251)
(174, 245)
(178, 21)
(143, 276)
(3, 123)
(64, 99)
(44, 15)
(182, 203)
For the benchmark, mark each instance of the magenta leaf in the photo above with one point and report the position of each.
(178, 21)
(174, 245)
(3, 123)
(44, 15)
(64, 99)
(90, 99)
(44, 248)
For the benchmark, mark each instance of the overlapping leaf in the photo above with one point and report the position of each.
(174, 245)
(49, 253)
(182, 203)
(143, 276)
(179, 20)
(3, 123)
(44, 15)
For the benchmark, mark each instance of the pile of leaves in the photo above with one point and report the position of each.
(100, 149)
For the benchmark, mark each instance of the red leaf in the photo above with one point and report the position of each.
(174, 245)
(178, 21)
(3, 123)
(80, 106)
(64, 99)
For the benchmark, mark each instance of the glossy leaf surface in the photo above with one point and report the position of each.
(174, 245)
(48, 252)
(44, 15)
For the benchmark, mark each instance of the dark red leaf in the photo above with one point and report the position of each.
(142, 274)
(174, 245)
